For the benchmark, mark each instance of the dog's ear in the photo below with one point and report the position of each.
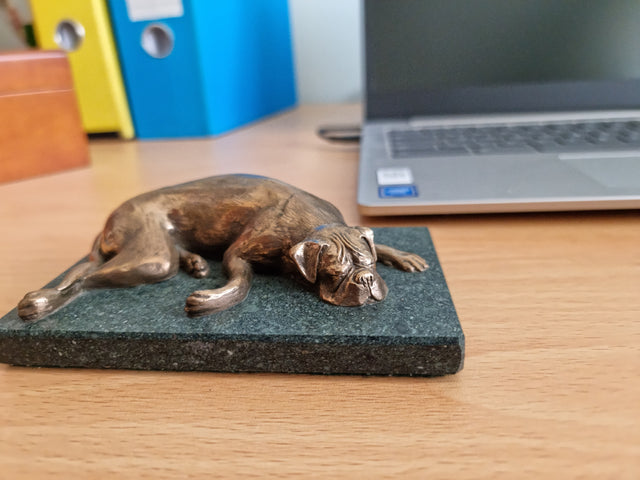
(367, 234)
(306, 256)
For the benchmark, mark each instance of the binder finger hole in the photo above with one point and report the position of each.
(157, 40)
(69, 35)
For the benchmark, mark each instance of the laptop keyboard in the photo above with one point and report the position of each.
(515, 139)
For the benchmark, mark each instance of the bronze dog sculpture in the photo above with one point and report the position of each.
(254, 221)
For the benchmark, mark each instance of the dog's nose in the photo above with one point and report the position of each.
(365, 278)
(376, 287)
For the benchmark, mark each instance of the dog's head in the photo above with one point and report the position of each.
(341, 262)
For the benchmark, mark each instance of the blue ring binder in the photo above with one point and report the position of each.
(231, 63)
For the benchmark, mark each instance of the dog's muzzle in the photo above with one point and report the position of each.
(367, 279)
(361, 287)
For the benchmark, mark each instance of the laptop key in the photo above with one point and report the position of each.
(452, 150)
(629, 137)
(502, 149)
(413, 152)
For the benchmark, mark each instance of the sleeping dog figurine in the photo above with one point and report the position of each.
(253, 222)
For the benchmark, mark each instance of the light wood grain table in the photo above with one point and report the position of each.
(550, 305)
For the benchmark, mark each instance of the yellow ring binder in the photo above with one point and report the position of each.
(83, 29)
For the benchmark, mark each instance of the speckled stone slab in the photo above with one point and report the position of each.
(281, 327)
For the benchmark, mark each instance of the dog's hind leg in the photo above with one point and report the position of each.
(239, 272)
(40, 303)
(148, 257)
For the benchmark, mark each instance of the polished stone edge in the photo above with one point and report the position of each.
(235, 355)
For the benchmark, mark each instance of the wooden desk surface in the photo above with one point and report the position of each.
(550, 305)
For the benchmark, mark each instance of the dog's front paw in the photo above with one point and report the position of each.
(206, 302)
(413, 263)
(408, 262)
(198, 304)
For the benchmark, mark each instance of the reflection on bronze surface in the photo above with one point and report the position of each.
(252, 221)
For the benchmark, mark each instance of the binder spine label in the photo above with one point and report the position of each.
(144, 10)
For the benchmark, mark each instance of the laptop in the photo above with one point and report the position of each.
(500, 106)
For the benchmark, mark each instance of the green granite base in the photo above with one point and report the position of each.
(280, 327)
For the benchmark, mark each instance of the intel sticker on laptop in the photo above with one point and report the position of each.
(396, 183)
(397, 191)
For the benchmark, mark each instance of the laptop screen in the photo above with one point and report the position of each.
(428, 57)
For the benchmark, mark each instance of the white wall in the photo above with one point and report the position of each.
(327, 48)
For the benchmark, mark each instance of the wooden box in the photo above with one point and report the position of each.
(40, 127)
